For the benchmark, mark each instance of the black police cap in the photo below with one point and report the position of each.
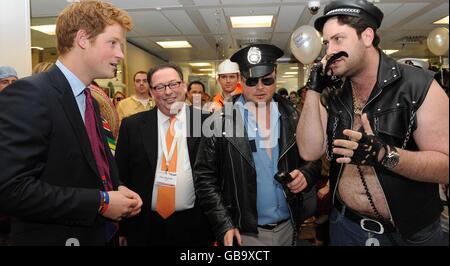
(257, 60)
(355, 8)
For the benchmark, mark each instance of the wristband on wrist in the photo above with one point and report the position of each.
(104, 202)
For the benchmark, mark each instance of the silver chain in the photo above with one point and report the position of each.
(408, 133)
(330, 156)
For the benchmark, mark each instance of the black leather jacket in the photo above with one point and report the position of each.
(391, 107)
(225, 175)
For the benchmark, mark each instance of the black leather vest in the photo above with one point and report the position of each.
(391, 108)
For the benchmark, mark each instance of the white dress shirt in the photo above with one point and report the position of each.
(184, 189)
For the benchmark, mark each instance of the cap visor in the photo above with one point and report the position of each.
(259, 71)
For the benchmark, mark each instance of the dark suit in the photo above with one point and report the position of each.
(137, 158)
(49, 180)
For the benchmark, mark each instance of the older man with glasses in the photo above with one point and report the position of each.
(250, 179)
(156, 151)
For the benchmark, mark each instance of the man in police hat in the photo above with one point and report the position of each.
(235, 173)
(385, 131)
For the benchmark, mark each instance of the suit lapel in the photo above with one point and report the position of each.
(72, 112)
(241, 143)
(149, 131)
(192, 139)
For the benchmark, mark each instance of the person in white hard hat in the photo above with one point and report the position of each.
(228, 78)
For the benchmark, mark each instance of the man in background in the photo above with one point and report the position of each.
(7, 76)
(140, 101)
(228, 78)
(195, 92)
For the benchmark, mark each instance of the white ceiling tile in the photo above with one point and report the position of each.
(288, 17)
(388, 8)
(151, 46)
(144, 43)
(299, 1)
(426, 19)
(399, 13)
(281, 39)
(181, 20)
(215, 20)
(136, 4)
(152, 23)
(198, 42)
(206, 2)
(251, 31)
(246, 11)
(248, 2)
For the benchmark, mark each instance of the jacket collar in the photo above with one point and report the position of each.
(288, 119)
(68, 102)
(388, 72)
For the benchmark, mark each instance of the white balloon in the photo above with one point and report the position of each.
(437, 41)
(306, 44)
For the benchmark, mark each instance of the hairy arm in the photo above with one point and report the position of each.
(430, 163)
(311, 129)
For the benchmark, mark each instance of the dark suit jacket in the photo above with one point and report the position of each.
(137, 158)
(49, 181)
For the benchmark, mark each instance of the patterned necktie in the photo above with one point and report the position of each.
(165, 202)
(98, 150)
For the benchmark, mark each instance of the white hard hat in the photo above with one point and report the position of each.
(227, 67)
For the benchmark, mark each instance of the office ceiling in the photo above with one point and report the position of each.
(206, 25)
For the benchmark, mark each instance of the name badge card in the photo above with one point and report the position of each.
(164, 178)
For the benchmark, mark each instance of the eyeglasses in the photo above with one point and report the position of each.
(172, 85)
(251, 82)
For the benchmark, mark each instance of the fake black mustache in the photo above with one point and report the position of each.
(333, 58)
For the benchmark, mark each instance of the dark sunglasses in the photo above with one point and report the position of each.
(251, 82)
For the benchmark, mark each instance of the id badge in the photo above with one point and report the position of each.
(164, 178)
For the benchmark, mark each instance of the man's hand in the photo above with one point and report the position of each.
(317, 81)
(120, 206)
(123, 241)
(229, 235)
(361, 149)
(132, 195)
(298, 183)
(323, 191)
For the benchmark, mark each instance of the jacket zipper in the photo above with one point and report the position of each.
(235, 195)
(285, 196)
(342, 165)
(284, 153)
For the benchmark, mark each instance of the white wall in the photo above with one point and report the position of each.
(137, 59)
(15, 44)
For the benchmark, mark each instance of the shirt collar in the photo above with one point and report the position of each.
(75, 83)
(274, 112)
(181, 116)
